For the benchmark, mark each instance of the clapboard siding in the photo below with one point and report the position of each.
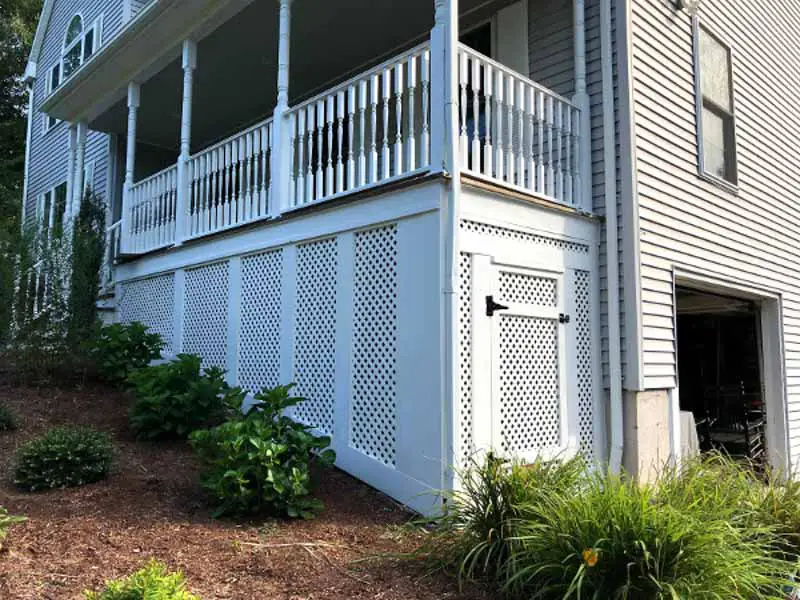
(751, 238)
(48, 153)
(552, 64)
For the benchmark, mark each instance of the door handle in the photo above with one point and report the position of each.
(492, 306)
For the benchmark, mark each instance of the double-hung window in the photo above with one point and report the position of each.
(51, 208)
(716, 119)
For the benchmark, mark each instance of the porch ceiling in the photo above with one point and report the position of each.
(235, 82)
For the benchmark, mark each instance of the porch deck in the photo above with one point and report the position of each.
(368, 131)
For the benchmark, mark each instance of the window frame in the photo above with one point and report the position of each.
(702, 104)
(95, 29)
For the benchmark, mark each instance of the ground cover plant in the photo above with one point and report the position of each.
(6, 521)
(65, 456)
(153, 582)
(261, 461)
(701, 532)
(175, 398)
(8, 421)
(120, 349)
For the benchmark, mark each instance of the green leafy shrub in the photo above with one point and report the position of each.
(64, 457)
(8, 421)
(261, 461)
(154, 582)
(573, 533)
(175, 398)
(121, 349)
(6, 521)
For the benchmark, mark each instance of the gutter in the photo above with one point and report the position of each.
(612, 241)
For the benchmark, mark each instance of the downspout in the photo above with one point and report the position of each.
(612, 240)
(447, 19)
(28, 136)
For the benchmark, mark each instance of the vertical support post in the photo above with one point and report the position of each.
(281, 150)
(134, 98)
(444, 87)
(80, 162)
(183, 192)
(581, 99)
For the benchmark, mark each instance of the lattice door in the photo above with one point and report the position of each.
(527, 328)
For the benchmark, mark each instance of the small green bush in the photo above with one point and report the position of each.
(64, 457)
(175, 398)
(6, 521)
(261, 461)
(121, 349)
(8, 421)
(154, 582)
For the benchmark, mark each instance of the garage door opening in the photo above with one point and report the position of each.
(720, 370)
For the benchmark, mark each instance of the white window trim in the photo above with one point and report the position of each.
(730, 186)
(96, 27)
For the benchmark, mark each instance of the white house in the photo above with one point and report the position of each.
(409, 209)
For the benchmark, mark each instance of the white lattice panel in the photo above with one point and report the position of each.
(373, 417)
(583, 345)
(527, 289)
(465, 441)
(260, 332)
(315, 333)
(152, 302)
(529, 384)
(523, 236)
(205, 327)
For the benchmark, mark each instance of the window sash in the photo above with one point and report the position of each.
(715, 161)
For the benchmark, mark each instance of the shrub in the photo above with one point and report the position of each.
(261, 461)
(565, 532)
(476, 535)
(154, 582)
(6, 521)
(175, 398)
(8, 421)
(65, 457)
(119, 350)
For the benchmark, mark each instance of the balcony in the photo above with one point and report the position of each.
(369, 131)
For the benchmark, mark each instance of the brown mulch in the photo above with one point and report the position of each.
(152, 506)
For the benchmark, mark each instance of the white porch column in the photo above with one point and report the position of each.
(80, 161)
(183, 199)
(134, 97)
(72, 142)
(581, 99)
(279, 191)
(444, 87)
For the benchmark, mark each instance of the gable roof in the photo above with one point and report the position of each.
(38, 39)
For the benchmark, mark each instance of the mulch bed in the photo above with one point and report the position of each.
(152, 506)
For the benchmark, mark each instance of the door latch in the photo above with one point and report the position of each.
(492, 306)
(563, 319)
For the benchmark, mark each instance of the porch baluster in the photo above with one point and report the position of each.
(329, 120)
(426, 88)
(398, 141)
(385, 154)
(412, 97)
(351, 112)
(340, 106)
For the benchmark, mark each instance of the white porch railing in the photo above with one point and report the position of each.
(366, 131)
(230, 181)
(152, 211)
(113, 250)
(516, 132)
